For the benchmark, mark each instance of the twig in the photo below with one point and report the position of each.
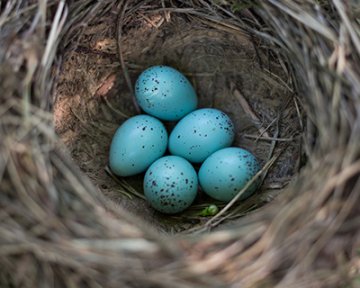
(122, 114)
(349, 25)
(298, 114)
(268, 127)
(276, 134)
(242, 191)
(269, 138)
(152, 23)
(246, 107)
(123, 184)
(278, 80)
(122, 10)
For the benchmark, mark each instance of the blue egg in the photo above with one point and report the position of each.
(201, 133)
(170, 184)
(165, 93)
(226, 172)
(137, 143)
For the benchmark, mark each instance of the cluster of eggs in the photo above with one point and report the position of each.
(202, 136)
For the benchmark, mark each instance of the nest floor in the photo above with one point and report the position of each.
(228, 70)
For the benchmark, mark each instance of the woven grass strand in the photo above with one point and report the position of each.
(57, 230)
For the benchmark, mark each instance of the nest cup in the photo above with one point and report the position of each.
(94, 95)
(284, 72)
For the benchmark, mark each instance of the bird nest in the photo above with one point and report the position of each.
(284, 71)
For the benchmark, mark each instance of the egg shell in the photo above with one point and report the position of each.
(165, 93)
(226, 172)
(137, 143)
(170, 184)
(201, 133)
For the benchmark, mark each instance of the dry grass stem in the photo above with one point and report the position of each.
(293, 68)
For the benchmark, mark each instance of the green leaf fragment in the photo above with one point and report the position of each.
(211, 210)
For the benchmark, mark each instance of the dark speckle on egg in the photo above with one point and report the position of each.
(210, 130)
(165, 93)
(170, 173)
(217, 182)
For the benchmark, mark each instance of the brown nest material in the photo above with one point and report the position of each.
(287, 72)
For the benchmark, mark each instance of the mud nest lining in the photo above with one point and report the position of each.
(228, 72)
(287, 74)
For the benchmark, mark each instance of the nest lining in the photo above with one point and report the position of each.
(228, 73)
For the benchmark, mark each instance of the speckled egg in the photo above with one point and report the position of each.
(170, 184)
(137, 143)
(226, 172)
(201, 133)
(165, 93)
